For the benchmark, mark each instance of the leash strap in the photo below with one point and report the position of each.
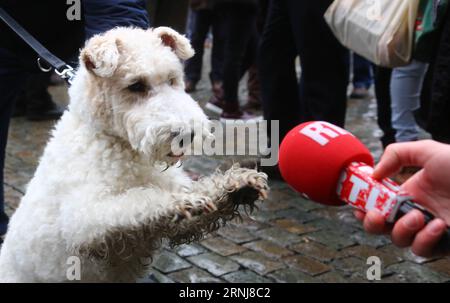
(61, 68)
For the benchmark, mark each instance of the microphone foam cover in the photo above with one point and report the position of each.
(314, 154)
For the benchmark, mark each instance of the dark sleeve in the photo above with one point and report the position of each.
(440, 91)
(102, 15)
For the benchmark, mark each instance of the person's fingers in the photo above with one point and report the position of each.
(399, 155)
(406, 228)
(359, 214)
(414, 187)
(374, 223)
(426, 240)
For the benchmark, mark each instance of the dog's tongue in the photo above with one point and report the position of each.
(171, 154)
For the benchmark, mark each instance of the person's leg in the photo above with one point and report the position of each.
(276, 70)
(406, 86)
(6, 106)
(216, 102)
(237, 20)
(382, 77)
(324, 62)
(11, 81)
(362, 77)
(164, 14)
(193, 68)
(190, 23)
(362, 72)
(249, 66)
(39, 103)
(251, 50)
(217, 53)
(254, 90)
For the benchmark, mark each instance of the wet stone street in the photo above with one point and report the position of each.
(288, 239)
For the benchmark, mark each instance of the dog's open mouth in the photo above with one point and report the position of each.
(172, 155)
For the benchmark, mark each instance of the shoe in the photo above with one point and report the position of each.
(41, 108)
(254, 91)
(190, 86)
(215, 105)
(273, 172)
(44, 115)
(239, 115)
(252, 106)
(39, 105)
(231, 111)
(359, 93)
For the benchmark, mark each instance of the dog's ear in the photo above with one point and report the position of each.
(101, 56)
(179, 44)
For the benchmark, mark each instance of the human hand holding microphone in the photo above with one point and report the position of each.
(332, 167)
(430, 187)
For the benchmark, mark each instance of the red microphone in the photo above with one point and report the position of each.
(329, 165)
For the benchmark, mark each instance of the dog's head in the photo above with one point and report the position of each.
(130, 84)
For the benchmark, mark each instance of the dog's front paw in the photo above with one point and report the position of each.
(190, 208)
(245, 186)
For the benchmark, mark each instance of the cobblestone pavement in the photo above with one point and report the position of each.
(288, 239)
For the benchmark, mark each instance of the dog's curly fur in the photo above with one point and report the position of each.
(101, 192)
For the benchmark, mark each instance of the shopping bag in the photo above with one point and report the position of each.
(382, 31)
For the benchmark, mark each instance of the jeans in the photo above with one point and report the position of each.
(362, 72)
(297, 28)
(406, 86)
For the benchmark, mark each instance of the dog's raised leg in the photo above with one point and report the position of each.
(132, 226)
(213, 201)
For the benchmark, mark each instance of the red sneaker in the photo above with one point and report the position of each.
(239, 115)
(215, 105)
(190, 86)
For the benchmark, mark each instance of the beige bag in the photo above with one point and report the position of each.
(380, 30)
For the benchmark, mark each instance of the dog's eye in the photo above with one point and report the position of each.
(172, 81)
(138, 87)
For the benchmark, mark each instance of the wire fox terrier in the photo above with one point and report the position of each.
(100, 192)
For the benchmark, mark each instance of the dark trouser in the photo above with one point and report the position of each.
(172, 13)
(12, 80)
(203, 20)
(18, 61)
(297, 27)
(383, 96)
(435, 108)
(238, 22)
(362, 72)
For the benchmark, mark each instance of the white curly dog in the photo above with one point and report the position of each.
(100, 192)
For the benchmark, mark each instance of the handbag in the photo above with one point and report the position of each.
(382, 31)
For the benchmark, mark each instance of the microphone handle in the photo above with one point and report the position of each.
(406, 206)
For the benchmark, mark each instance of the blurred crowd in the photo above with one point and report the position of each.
(296, 70)
(264, 38)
